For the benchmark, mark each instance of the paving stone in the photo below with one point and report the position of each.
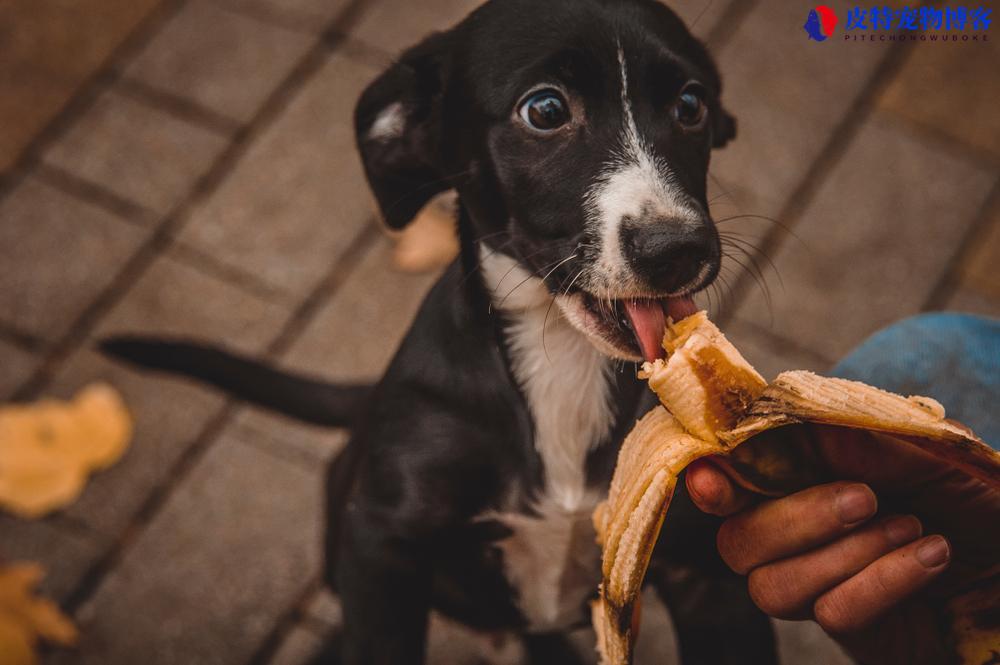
(171, 299)
(57, 254)
(65, 552)
(286, 437)
(136, 151)
(353, 338)
(221, 59)
(169, 414)
(299, 647)
(980, 267)
(298, 197)
(355, 335)
(701, 16)
(805, 642)
(953, 89)
(787, 93)
(174, 298)
(878, 236)
(48, 51)
(395, 25)
(226, 557)
(769, 353)
(16, 365)
(311, 15)
(972, 302)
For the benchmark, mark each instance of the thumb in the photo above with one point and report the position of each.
(712, 490)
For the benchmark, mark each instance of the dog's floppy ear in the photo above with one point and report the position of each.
(723, 127)
(398, 125)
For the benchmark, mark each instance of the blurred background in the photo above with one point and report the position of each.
(187, 167)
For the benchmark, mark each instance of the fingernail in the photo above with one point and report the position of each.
(934, 552)
(902, 530)
(855, 503)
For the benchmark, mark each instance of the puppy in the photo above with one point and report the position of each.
(577, 134)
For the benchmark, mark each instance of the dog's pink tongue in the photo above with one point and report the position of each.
(649, 322)
(681, 308)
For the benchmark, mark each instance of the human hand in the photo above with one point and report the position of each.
(872, 558)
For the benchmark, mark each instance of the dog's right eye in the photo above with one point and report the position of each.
(544, 111)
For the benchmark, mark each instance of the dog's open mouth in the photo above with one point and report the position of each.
(638, 324)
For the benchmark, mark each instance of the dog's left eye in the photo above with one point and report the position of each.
(690, 110)
(544, 111)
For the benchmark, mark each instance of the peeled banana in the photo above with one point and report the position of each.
(714, 401)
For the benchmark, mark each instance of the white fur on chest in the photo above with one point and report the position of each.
(567, 382)
(552, 558)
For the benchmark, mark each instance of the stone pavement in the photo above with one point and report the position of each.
(201, 181)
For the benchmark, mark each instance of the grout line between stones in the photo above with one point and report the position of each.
(950, 279)
(152, 504)
(95, 194)
(162, 238)
(245, 281)
(284, 626)
(840, 139)
(309, 64)
(325, 289)
(87, 92)
(25, 341)
(177, 106)
(729, 23)
(940, 140)
(158, 497)
(264, 14)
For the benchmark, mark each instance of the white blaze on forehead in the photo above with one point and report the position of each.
(633, 183)
(389, 123)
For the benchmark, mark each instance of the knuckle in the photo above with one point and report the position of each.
(769, 594)
(733, 547)
(834, 615)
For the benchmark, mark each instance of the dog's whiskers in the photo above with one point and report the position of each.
(752, 251)
(531, 276)
(566, 260)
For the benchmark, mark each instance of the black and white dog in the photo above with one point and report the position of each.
(577, 134)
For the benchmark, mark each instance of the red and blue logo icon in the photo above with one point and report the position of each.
(821, 23)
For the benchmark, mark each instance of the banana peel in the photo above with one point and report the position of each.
(713, 401)
(48, 449)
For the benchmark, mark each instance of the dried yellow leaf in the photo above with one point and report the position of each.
(25, 619)
(48, 449)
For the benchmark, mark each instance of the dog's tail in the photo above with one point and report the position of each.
(304, 398)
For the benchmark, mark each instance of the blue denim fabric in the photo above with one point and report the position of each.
(954, 358)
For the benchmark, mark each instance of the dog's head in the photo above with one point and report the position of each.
(578, 134)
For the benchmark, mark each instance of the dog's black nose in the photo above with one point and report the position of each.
(669, 255)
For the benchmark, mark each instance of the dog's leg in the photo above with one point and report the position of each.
(384, 582)
(551, 649)
(715, 619)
